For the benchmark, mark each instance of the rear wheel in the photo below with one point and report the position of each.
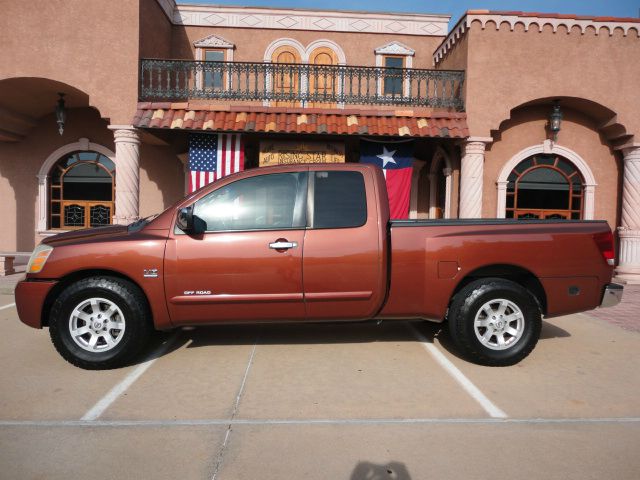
(100, 323)
(494, 322)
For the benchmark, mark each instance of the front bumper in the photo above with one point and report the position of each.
(30, 298)
(612, 295)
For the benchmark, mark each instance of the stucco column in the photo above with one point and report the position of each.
(471, 177)
(127, 140)
(447, 172)
(629, 230)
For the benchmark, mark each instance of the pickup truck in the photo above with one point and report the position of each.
(311, 243)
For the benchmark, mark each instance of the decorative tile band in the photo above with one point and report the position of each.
(326, 21)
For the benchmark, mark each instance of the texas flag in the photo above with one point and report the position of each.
(396, 161)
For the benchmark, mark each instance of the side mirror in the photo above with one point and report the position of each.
(185, 219)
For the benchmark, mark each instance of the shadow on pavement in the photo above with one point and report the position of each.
(309, 334)
(376, 471)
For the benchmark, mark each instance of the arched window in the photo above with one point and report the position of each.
(546, 187)
(81, 191)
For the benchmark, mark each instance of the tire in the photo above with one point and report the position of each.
(494, 322)
(100, 323)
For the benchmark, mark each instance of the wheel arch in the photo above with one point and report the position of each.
(514, 273)
(76, 276)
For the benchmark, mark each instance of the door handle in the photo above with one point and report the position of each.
(282, 245)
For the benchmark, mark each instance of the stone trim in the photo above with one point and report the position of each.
(213, 41)
(314, 20)
(548, 147)
(83, 144)
(533, 23)
(395, 48)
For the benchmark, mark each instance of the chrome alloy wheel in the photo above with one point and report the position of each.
(97, 325)
(499, 324)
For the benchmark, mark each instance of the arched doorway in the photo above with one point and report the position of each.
(545, 186)
(322, 77)
(286, 77)
(81, 191)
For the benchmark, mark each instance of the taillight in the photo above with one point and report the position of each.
(604, 241)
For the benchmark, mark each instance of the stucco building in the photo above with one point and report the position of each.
(478, 101)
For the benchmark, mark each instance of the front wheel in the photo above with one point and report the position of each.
(100, 323)
(494, 322)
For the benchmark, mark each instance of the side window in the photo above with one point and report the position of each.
(340, 200)
(266, 202)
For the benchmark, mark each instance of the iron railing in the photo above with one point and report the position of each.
(300, 84)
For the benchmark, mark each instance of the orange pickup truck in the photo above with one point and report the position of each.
(309, 243)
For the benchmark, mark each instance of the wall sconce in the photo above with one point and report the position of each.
(555, 119)
(61, 114)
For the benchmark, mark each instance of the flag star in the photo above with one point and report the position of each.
(387, 157)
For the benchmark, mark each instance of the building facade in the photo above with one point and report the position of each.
(511, 114)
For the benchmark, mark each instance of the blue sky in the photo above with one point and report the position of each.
(455, 8)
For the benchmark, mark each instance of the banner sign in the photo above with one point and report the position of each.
(282, 152)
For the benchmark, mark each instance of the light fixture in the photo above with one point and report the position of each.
(555, 119)
(61, 114)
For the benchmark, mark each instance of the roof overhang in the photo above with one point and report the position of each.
(216, 118)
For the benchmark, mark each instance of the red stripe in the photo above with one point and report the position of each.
(223, 138)
(241, 153)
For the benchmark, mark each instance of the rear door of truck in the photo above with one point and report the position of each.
(344, 262)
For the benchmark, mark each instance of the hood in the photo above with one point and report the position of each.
(86, 234)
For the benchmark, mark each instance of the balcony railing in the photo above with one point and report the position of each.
(300, 84)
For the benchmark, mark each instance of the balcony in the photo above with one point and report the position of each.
(299, 85)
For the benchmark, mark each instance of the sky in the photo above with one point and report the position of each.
(455, 8)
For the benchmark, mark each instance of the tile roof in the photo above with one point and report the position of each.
(407, 122)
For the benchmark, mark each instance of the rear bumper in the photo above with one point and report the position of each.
(612, 295)
(30, 297)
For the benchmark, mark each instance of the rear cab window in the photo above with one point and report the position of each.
(339, 199)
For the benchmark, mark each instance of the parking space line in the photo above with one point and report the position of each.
(458, 376)
(319, 421)
(105, 402)
(229, 422)
(8, 306)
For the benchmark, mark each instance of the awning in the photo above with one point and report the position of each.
(402, 123)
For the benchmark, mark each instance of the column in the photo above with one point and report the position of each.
(447, 172)
(471, 177)
(127, 142)
(629, 230)
(432, 195)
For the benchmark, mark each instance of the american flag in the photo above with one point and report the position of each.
(213, 156)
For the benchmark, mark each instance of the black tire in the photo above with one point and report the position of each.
(504, 341)
(132, 313)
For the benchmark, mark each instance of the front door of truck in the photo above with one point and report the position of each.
(247, 265)
(344, 261)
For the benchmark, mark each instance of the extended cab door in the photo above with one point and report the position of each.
(344, 262)
(248, 263)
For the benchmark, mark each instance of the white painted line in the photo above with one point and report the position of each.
(8, 306)
(458, 376)
(317, 421)
(106, 401)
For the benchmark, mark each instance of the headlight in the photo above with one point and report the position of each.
(38, 258)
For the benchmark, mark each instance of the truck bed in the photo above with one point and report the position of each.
(559, 260)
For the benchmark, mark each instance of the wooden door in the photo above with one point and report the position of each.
(323, 82)
(285, 79)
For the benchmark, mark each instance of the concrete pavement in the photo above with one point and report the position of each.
(358, 401)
